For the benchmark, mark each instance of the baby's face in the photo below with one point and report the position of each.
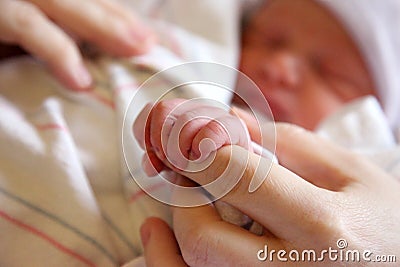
(303, 61)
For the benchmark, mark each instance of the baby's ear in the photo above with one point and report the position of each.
(250, 121)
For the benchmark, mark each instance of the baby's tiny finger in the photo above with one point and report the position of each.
(161, 125)
(140, 125)
(151, 164)
(226, 130)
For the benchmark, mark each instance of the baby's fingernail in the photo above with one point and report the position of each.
(82, 77)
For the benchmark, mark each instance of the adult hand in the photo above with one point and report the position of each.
(41, 27)
(160, 246)
(329, 194)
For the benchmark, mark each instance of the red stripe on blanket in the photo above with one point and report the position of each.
(102, 99)
(45, 237)
(135, 196)
(50, 126)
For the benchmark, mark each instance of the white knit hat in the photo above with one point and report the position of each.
(375, 27)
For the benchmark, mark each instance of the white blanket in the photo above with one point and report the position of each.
(66, 198)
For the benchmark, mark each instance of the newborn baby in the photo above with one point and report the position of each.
(309, 58)
(307, 65)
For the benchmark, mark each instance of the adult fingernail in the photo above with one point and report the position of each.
(140, 33)
(82, 77)
(142, 38)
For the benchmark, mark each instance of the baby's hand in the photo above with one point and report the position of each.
(178, 130)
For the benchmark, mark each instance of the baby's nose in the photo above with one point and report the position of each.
(281, 69)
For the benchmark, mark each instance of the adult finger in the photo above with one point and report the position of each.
(281, 201)
(24, 24)
(315, 159)
(160, 246)
(206, 240)
(285, 198)
(105, 23)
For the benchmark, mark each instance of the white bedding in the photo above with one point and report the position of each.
(66, 197)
